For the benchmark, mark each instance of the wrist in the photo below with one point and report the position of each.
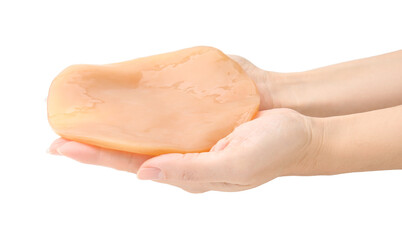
(284, 89)
(301, 91)
(314, 148)
(359, 142)
(329, 151)
(275, 89)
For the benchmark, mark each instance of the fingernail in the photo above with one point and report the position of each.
(55, 145)
(150, 174)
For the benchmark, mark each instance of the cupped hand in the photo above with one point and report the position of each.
(276, 143)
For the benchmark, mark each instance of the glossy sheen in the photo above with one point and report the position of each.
(183, 101)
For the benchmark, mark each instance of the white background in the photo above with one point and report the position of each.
(49, 197)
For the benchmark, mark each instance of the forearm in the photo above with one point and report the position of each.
(359, 142)
(345, 88)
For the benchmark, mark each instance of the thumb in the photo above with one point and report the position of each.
(244, 63)
(194, 167)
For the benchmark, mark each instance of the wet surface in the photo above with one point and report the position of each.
(183, 101)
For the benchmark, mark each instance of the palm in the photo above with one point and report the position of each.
(271, 143)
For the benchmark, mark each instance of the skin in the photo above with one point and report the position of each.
(290, 138)
(346, 88)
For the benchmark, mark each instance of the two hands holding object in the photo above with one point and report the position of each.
(337, 119)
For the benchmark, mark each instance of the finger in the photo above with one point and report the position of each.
(220, 145)
(88, 154)
(191, 187)
(265, 113)
(190, 167)
(195, 187)
(56, 144)
(228, 187)
(243, 62)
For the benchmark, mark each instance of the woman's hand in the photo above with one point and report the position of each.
(262, 79)
(345, 88)
(274, 144)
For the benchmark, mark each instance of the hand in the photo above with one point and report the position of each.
(276, 143)
(261, 78)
